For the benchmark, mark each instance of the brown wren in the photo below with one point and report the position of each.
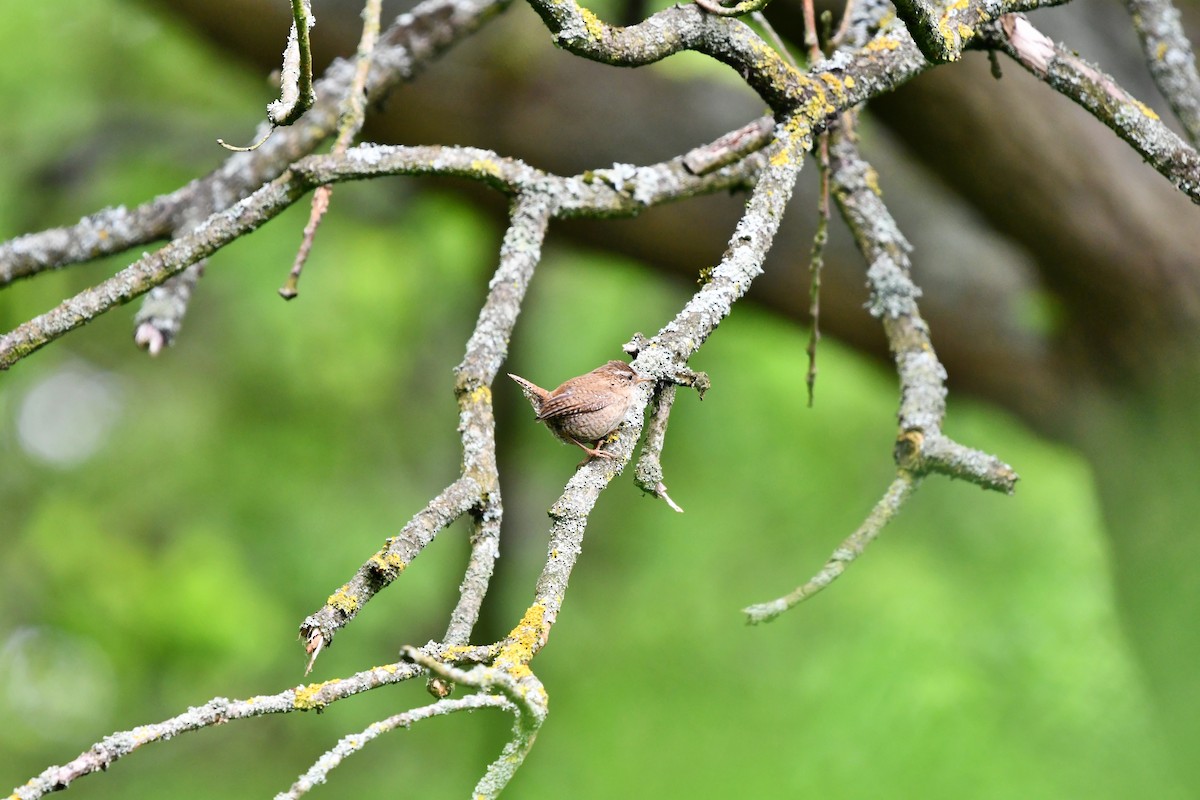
(586, 408)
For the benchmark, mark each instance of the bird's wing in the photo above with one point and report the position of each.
(570, 402)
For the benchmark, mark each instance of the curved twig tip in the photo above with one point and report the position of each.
(254, 146)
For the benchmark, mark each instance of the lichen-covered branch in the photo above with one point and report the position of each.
(348, 745)
(219, 710)
(1171, 59)
(1087, 85)
(511, 677)
(388, 563)
(479, 487)
(894, 302)
(662, 357)
(765, 157)
(149, 271)
(539, 197)
(649, 473)
(921, 447)
(942, 30)
(582, 194)
(408, 46)
(295, 82)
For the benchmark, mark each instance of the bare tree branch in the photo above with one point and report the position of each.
(921, 447)
(354, 112)
(1091, 88)
(408, 46)
(1171, 59)
(219, 710)
(348, 745)
(873, 53)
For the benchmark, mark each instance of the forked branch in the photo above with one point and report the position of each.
(875, 53)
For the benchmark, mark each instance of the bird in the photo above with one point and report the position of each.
(586, 408)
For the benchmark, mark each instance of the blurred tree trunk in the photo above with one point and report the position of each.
(1061, 275)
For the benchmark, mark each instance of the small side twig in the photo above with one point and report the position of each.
(730, 147)
(821, 237)
(850, 549)
(318, 773)
(295, 78)
(354, 111)
(649, 473)
(160, 318)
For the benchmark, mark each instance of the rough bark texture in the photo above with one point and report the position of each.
(1084, 323)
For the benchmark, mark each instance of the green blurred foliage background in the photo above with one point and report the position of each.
(238, 479)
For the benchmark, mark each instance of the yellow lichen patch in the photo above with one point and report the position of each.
(835, 85)
(815, 107)
(306, 697)
(1160, 51)
(767, 61)
(595, 27)
(343, 601)
(799, 127)
(1145, 109)
(947, 33)
(486, 166)
(871, 178)
(882, 44)
(780, 158)
(483, 394)
(388, 564)
(453, 652)
(517, 652)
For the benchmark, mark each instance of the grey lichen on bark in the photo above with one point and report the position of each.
(764, 158)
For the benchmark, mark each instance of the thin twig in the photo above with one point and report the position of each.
(412, 42)
(731, 147)
(295, 78)
(387, 564)
(318, 773)
(849, 550)
(821, 236)
(920, 447)
(354, 110)
(649, 473)
(100, 756)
